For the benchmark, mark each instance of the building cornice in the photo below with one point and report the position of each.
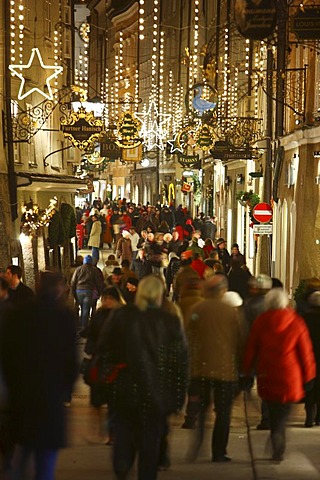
(303, 136)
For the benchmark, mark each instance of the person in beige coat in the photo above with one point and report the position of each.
(216, 335)
(94, 239)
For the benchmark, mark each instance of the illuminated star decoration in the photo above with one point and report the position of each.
(174, 147)
(154, 127)
(16, 70)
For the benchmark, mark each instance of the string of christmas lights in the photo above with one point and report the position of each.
(16, 30)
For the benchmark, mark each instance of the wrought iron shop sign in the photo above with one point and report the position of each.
(191, 161)
(255, 19)
(82, 128)
(109, 149)
(306, 23)
(223, 151)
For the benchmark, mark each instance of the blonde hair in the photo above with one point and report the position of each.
(149, 293)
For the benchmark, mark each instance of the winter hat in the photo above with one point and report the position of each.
(117, 271)
(261, 282)
(233, 299)
(88, 259)
(133, 281)
(220, 240)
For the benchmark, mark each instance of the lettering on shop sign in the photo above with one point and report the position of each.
(109, 149)
(255, 19)
(82, 128)
(192, 161)
(306, 23)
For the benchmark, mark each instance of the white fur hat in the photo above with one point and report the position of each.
(233, 299)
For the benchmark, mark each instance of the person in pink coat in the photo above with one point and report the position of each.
(279, 351)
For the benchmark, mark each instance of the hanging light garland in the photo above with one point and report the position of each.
(195, 40)
(141, 19)
(136, 90)
(161, 81)
(57, 42)
(56, 57)
(16, 30)
(247, 56)
(82, 69)
(116, 83)
(256, 81)
(120, 57)
(21, 30)
(106, 98)
(13, 31)
(33, 218)
(154, 55)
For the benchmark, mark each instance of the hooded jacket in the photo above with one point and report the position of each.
(280, 350)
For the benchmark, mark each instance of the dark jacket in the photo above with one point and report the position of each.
(39, 360)
(224, 258)
(238, 281)
(94, 329)
(210, 229)
(21, 295)
(87, 277)
(152, 345)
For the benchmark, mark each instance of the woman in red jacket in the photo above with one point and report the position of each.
(279, 351)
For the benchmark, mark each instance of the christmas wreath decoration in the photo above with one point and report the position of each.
(248, 199)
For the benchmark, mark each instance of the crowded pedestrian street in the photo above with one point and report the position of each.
(248, 447)
(160, 240)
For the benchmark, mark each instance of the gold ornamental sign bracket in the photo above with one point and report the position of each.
(82, 128)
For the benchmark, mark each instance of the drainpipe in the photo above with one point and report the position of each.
(12, 182)
(269, 129)
(281, 64)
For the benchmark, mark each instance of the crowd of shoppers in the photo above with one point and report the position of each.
(181, 323)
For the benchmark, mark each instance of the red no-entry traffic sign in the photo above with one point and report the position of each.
(262, 212)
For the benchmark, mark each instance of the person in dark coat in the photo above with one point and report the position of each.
(238, 278)
(111, 298)
(210, 229)
(6, 437)
(147, 346)
(312, 319)
(19, 293)
(39, 361)
(86, 280)
(236, 255)
(130, 290)
(224, 255)
(167, 216)
(172, 269)
(141, 266)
